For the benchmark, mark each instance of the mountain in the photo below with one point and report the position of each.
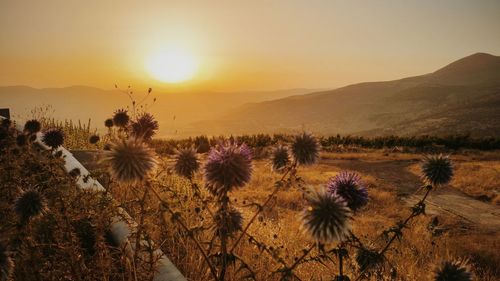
(462, 97)
(174, 111)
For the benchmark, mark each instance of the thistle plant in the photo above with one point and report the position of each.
(229, 166)
(305, 149)
(53, 138)
(327, 217)
(144, 127)
(130, 161)
(121, 118)
(29, 205)
(437, 170)
(280, 158)
(349, 187)
(32, 126)
(186, 163)
(457, 270)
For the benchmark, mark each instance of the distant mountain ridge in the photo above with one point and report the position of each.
(462, 97)
(174, 111)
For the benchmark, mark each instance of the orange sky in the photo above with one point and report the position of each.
(240, 45)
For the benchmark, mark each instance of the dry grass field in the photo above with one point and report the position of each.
(390, 177)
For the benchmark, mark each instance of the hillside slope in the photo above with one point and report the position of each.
(461, 97)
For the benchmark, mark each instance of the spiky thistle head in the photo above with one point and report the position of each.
(437, 170)
(186, 162)
(6, 264)
(305, 149)
(280, 158)
(32, 126)
(349, 187)
(145, 126)
(129, 161)
(229, 166)
(228, 222)
(53, 138)
(108, 123)
(121, 118)
(457, 270)
(94, 139)
(327, 218)
(29, 205)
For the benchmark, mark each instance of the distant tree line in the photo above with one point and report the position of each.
(420, 143)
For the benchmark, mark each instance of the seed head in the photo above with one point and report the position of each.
(29, 205)
(350, 188)
(327, 219)
(305, 149)
(108, 123)
(186, 163)
(129, 161)
(94, 139)
(437, 170)
(453, 271)
(145, 127)
(32, 126)
(280, 158)
(229, 166)
(53, 138)
(121, 118)
(6, 264)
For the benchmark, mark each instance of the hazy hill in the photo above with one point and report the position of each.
(82, 103)
(461, 97)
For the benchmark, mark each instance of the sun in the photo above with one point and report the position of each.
(172, 66)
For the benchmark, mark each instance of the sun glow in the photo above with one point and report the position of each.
(172, 66)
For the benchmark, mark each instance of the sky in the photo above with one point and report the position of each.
(239, 45)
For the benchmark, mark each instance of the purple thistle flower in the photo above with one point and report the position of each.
(229, 166)
(29, 205)
(350, 188)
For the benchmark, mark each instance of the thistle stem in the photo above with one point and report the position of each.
(293, 166)
(213, 271)
(400, 227)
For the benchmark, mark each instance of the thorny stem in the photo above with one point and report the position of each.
(213, 271)
(261, 208)
(223, 238)
(297, 262)
(400, 227)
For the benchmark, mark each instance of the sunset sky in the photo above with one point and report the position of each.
(238, 45)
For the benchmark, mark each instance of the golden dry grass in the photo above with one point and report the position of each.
(388, 176)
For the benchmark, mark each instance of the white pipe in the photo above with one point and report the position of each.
(122, 227)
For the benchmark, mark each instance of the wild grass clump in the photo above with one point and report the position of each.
(52, 230)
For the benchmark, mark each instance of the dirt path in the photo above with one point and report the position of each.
(395, 174)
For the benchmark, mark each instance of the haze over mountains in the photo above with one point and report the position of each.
(462, 97)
